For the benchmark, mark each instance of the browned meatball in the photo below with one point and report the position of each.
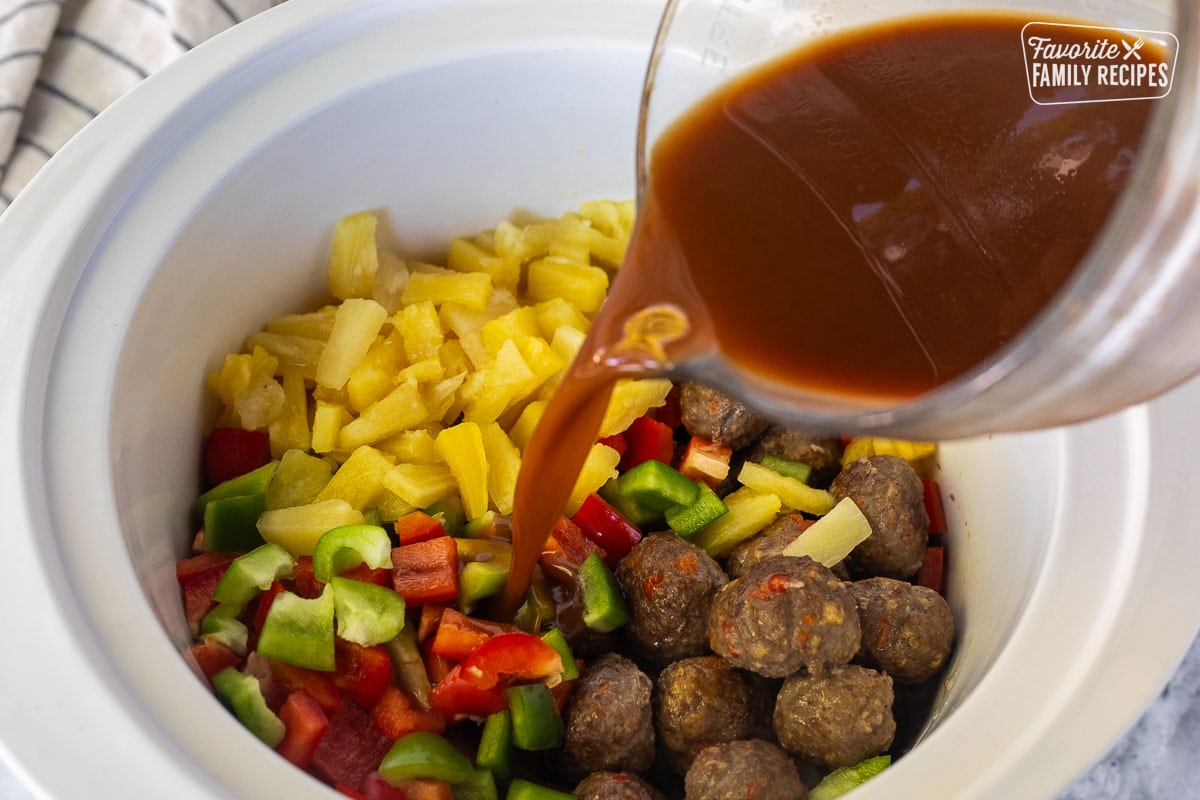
(891, 497)
(698, 702)
(836, 718)
(615, 786)
(714, 415)
(770, 542)
(669, 584)
(908, 630)
(746, 770)
(822, 453)
(609, 721)
(784, 614)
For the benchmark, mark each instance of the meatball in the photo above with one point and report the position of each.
(776, 536)
(698, 702)
(907, 631)
(745, 770)
(784, 614)
(714, 415)
(669, 584)
(891, 497)
(822, 453)
(836, 718)
(609, 722)
(615, 786)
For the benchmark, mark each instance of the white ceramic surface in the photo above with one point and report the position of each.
(202, 205)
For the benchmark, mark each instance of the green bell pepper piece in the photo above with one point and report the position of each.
(524, 790)
(479, 580)
(654, 485)
(688, 520)
(645, 518)
(424, 755)
(243, 695)
(255, 482)
(410, 666)
(300, 631)
(841, 781)
(495, 745)
(480, 786)
(372, 516)
(555, 638)
(222, 624)
(792, 469)
(449, 511)
(252, 573)
(604, 609)
(366, 614)
(536, 724)
(347, 546)
(231, 523)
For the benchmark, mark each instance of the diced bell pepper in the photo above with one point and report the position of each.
(424, 755)
(604, 609)
(243, 695)
(605, 526)
(536, 724)
(252, 573)
(555, 638)
(426, 572)
(366, 614)
(347, 546)
(521, 789)
(687, 520)
(495, 745)
(223, 625)
(230, 452)
(841, 781)
(300, 631)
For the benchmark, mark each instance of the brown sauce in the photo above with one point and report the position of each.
(870, 216)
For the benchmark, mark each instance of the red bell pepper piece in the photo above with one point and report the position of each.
(566, 548)
(303, 581)
(616, 442)
(188, 568)
(231, 452)
(304, 723)
(455, 697)
(418, 526)
(648, 439)
(395, 714)
(607, 527)
(351, 748)
(198, 595)
(318, 685)
(353, 794)
(511, 658)
(421, 789)
(935, 509)
(210, 656)
(431, 615)
(426, 572)
(669, 413)
(933, 569)
(264, 604)
(458, 635)
(375, 787)
(436, 667)
(362, 672)
(379, 577)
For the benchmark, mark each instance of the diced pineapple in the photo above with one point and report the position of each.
(542, 361)
(604, 217)
(461, 447)
(297, 528)
(470, 289)
(504, 462)
(289, 431)
(328, 420)
(298, 480)
(556, 312)
(864, 446)
(517, 325)
(354, 257)
(296, 353)
(391, 507)
(831, 538)
(430, 369)
(375, 375)
(354, 330)
(599, 468)
(507, 379)
(359, 480)
(749, 512)
(390, 280)
(411, 447)
(582, 285)
(260, 404)
(567, 342)
(420, 485)
(509, 241)
(402, 408)
(239, 371)
(463, 320)
(418, 323)
(469, 256)
(794, 494)
(472, 345)
(632, 399)
(440, 396)
(314, 325)
(454, 358)
(522, 430)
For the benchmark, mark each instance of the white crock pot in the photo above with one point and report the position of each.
(202, 205)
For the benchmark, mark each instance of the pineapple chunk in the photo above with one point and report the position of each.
(630, 400)
(391, 507)
(354, 257)
(749, 512)
(289, 431)
(239, 371)
(359, 480)
(297, 353)
(463, 320)
(508, 378)
(469, 256)
(793, 493)
(402, 408)
(604, 216)
(504, 462)
(418, 323)
(354, 330)
(567, 342)
(912, 452)
(260, 404)
(297, 528)
(831, 538)
(420, 485)
(390, 280)
(461, 447)
(582, 285)
(328, 420)
(375, 374)
(554, 313)
(599, 468)
(517, 325)
(314, 325)
(298, 480)
(454, 358)
(430, 369)
(470, 289)
(440, 397)
(522, 430)
(411, 447)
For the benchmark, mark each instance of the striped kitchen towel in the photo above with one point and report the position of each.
(63, 61)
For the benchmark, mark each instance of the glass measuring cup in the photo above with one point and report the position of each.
(1126, 325)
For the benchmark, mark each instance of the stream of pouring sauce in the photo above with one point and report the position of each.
(871, 216)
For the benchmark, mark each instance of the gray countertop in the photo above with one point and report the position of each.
(1154, 761)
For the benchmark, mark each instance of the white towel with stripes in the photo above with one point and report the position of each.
(63, 61)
